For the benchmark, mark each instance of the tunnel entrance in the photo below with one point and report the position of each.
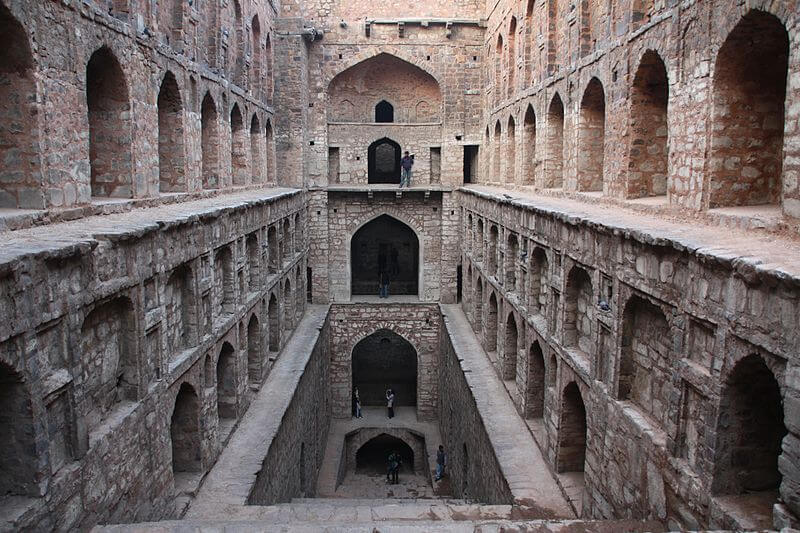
(385, 244)
(381, 361)
(372, 457)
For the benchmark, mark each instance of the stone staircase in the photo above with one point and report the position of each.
(382, 515)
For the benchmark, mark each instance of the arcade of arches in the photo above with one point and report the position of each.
(594, 281)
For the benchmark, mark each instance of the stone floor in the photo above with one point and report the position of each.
(374, 486)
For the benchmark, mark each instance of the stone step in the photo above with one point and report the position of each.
(372, 502)
(391, 526)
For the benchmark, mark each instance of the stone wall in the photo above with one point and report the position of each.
(105, 324)
(635, 341)
(416, 323)
(598, 96)
(118, 99)
(472, 467)
(295, 454)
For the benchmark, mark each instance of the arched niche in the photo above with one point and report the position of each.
(383, 158)
(385, 360)
(384, 77)
(387, 244)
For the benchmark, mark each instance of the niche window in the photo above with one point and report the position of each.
(384, 112)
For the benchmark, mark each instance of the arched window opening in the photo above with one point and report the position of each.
(385, 245)
(185, 434)
(572, 431)
(511, 63)
(478, 306)
(299, 296)
(239, 148)
(288, 313)
(288, 244)
(649, 148)
(109, 126)
(209, 139)
(18, 133)
(226, 383)
(274, 325)
(498, 69)
(256, 150)
(491, 253)
(534, 392)
(384, 112)
(19, 459)
(254, 360)
(554, 162)
(383, 161)
(497, 175)
(171, 158)
(479, 241)
(510, 349)
(579, 312)
(591, 137)
(748, 113)
(258, 84)
(750, 430)
(385, 360)
(491, 326)
(529, 148)
(511, 152)
(238, 50)
(271, 173)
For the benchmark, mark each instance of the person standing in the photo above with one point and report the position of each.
(405, 169)
(390, 402)
(356, 403)
(440, 462)
(384, 284)
(393, 472)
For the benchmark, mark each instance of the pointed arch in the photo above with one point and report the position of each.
(554, 162)
(591, 137)
(385, 243)
(384, 161)
(171, 155)
(257, 142)
(529, 147)
(384, 359)
(239, 148)
(209, 142)
(511, 151)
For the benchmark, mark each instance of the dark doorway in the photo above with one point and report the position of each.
(385, 360)
(459, 282)
(372, 457)
(389, 245)
(384, 161)
(384, 112)
(470, 163)
(309, 291)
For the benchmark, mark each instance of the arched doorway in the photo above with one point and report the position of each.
(384, 161)
(185, 431)
(385, 360)
(385, 244)
(371, 457)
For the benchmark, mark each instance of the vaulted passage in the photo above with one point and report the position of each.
(109, 126)
(385, 245)
(572, 431)
(381, 361)
(372, 457)
(384, 161)
(19, 184)
(226, 386)
(748, 115)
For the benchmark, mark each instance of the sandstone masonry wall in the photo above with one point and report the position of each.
(668, 327)
(107, 319)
